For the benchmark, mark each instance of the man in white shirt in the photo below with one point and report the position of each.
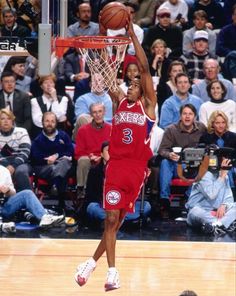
(61, 106)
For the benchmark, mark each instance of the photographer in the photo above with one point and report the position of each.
(211, 205)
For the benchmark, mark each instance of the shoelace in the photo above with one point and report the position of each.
(85, 270)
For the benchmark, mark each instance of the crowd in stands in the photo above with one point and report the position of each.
(191, 50)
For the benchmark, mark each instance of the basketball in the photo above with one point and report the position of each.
(114, 16)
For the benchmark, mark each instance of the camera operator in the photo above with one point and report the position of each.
(218, 133)
(211, 205)
(185, 133)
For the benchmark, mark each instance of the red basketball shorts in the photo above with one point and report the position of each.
(123, 182)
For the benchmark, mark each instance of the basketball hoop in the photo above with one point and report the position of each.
(103, 55)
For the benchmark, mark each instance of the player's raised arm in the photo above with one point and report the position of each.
(146, 78)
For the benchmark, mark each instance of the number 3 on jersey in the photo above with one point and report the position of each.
(127, 139)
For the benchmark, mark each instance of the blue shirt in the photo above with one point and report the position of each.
(210, 192)
(83, 103)
(75, 30)
(171, 106)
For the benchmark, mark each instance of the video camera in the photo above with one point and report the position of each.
(192, 159)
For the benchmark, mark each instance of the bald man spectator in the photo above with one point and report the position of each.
(211, 70)
(83, 26)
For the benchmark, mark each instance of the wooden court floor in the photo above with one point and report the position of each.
(45, 267)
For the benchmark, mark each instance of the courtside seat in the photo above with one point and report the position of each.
(42, 188)
(178, 189)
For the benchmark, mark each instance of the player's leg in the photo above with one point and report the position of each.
(112, 224)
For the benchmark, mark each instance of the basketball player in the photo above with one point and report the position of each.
(126, 170)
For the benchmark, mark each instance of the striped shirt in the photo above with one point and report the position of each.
(14, 147)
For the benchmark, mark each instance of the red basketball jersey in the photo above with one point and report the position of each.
(130, 135)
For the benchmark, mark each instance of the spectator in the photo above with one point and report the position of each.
(211, 205)
(83, 26)
(16, 65)
(170, 108)
(26, 200)
(27, 11)
(164, 30)
(167, 89)
(159, 61)
(62, 106)
(211, 70)
(218, 131)
(178, 10)
(218, 134)
(15, 100)
(10, 27)
(94, 194)
(82, 104)
(51, 155)
(14, 149)
(199, 23)
(185, 133)
(226, 38)
(144, 16)
(75, 68)
(89, 139)
(216, 91)
(132, 8)
(131, 72)
(214, 12)
(194, 60)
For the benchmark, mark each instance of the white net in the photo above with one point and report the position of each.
(105, 60)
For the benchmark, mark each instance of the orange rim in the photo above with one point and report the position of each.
(98, 42)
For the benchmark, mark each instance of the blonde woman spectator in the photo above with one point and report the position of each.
(159, 62)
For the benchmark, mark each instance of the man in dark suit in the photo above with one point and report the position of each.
(75, 68)
(15, 100)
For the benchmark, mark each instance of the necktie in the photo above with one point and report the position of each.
(81, 64)
(9, 102)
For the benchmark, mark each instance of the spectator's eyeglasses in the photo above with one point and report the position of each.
(167, 15)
